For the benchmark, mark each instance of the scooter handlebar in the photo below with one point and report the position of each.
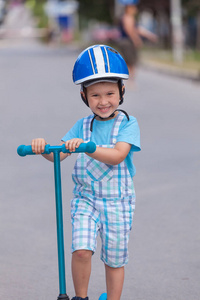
(89, 147)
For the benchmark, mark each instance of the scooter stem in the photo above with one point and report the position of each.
(59, 220)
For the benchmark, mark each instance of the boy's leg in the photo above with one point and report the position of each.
(114, 282)
(81, 269)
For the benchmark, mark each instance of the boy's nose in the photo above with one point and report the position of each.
(103, 101)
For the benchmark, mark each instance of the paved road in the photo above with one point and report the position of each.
(38, 98)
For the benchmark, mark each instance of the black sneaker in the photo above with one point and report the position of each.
(79, 298)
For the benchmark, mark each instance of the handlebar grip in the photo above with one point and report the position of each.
(89, 147)
(23, 150)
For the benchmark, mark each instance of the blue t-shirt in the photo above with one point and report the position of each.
(128, 132)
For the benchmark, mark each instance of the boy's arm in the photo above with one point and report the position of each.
(147, 34)
(111, 156)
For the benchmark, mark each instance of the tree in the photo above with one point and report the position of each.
(101, 10)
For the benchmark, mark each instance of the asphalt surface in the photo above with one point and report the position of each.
(38, 99)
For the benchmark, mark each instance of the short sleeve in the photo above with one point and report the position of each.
(129, 132)
(75, 132)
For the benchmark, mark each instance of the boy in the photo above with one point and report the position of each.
(103, 196)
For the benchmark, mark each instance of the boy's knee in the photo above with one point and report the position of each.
(82, 255)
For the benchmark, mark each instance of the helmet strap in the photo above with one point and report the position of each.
(95, 115)
(112, 115)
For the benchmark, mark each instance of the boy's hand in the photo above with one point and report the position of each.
(38, 145)
(72, 144)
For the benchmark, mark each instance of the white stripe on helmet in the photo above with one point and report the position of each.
(99, 60)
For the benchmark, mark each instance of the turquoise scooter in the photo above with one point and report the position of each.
(89, 147)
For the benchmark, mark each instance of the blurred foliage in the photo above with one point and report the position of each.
(104, 11)
(101, 10)
(192, 7)
(37, 8)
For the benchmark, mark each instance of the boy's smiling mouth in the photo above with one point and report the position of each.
(104, 109)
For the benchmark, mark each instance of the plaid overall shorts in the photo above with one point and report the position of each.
(104, 202)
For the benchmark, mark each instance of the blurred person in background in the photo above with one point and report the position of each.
(131, 36)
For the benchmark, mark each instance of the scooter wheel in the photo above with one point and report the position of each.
(103, 296)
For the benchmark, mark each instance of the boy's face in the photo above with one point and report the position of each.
(103, 98)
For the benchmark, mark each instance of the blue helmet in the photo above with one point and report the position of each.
(128, 2)
(97, 62)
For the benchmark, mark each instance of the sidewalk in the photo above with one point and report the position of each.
(157, 62)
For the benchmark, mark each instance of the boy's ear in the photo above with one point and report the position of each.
(123, 89)
(83, 96)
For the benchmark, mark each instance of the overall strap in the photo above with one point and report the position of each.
(86, 128)
(115, 129)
